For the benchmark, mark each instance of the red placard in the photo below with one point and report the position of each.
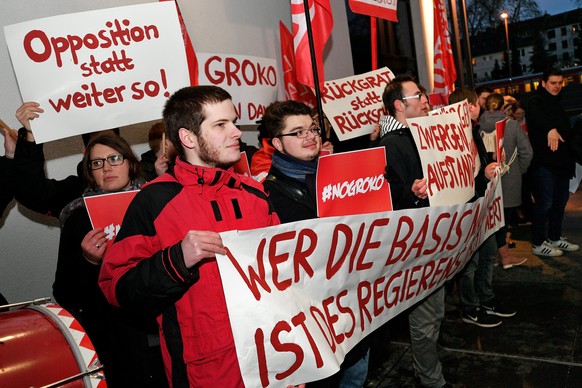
(242, 166)
(500, 133)
(352, 183)
(107, 211)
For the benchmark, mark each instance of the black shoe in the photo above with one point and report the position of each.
(480, 318)
(493, 308)
(450, 341)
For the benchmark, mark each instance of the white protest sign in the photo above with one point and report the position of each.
(100, 69)
(447, 155)
(301, 295)
(353, 105)
(251, 81)
(462, 110)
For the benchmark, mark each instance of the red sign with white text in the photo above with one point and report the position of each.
(242, 166)
(352, 183)
(383, 9)
(107, 211)
(500, 133)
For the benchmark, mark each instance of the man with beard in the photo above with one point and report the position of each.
(163, 260)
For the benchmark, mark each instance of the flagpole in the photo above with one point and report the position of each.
(314, 69)
(374, 42)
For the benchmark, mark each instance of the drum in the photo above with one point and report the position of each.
(45, 346)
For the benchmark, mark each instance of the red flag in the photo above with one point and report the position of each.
(190, 54)
(321, 25)
(293, 89)
(375, 8)
(445, 73)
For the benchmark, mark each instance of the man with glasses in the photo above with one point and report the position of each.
(291, 188)
(403, 99)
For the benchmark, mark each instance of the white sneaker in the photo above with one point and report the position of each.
(563, 245)
(546, 250)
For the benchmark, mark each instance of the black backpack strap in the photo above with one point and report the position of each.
(290, 190)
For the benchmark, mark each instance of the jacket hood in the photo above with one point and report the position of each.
(488, 119)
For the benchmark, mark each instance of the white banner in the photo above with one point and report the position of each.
(301, 295)
(97, 70)
(252, 81)
(354, 105)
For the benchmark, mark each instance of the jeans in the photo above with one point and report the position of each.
(477, 276)
(355, 375)
(425, 322)
(551, 194)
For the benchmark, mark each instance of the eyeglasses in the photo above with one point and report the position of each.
(112, 160)
(417, 95)
(302, 133)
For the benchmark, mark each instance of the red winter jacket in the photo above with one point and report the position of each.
(144, 269)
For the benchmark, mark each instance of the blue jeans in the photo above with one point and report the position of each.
(551, 194)
(477, 277)
(425, 323)
(355, 375)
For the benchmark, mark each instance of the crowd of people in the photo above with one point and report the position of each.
(152, 301)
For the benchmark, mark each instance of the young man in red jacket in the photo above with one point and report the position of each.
(163, 259)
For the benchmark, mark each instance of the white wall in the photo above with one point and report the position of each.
(29, 242)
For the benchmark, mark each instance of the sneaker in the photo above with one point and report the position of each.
(563, 245)
(492, 308)
(480, 318)
(546, 250)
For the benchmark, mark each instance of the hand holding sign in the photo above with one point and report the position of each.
(94, 245)
(199, 245)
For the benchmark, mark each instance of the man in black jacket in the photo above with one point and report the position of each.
(552, 165)
(291, 188)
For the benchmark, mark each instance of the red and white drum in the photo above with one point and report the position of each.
(42, 345)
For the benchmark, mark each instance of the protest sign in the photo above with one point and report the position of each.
(500, 135)
(353, 105)
(97, 70)
(107, 211)
(252, 81)
(301, 295)
(462, 110)
(352, 183)
(447, 155)
(242, 166)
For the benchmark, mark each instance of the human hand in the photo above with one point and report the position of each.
(490, 170)
(419, 188)
(161, 164)
(199, 244)
(554, 139)
(94, 245)
(375, 134)
(28, 111)
(327, 146)
(10, 137)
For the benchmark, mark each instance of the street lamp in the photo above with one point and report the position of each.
(504, 15)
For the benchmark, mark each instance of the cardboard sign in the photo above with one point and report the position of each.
(97, 70)
(462, 110)
(447, 155)
(353, 105)
(301, 295)
(242, 166)
(252, 81)
(107, 211)
(352, 183)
